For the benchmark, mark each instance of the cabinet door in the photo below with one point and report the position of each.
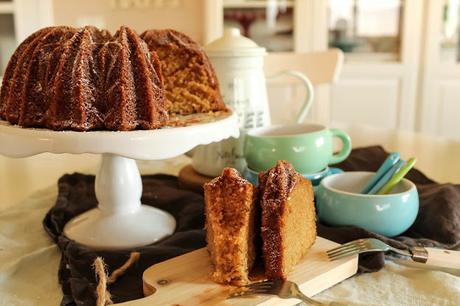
(440, 107)
(378, 83)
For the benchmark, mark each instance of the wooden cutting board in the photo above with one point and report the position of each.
(192, 180)
(184, 280)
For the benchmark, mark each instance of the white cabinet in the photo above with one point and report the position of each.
(378, 85)
(440, 79)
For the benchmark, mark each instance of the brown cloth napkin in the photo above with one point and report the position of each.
(76, 274)
(437, 224)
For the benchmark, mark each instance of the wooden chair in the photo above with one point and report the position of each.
(321, 68)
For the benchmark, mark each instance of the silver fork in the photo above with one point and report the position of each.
(283, 289)
(362, 246)
(435, 257)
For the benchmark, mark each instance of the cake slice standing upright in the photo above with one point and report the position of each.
(288, 219)
(231, 208)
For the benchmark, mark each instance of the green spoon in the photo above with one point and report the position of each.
(397, 177)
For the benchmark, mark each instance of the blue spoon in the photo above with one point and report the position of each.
(391, 160)
(397, 177)
(396, 167)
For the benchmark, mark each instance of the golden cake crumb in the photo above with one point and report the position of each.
(230, 207)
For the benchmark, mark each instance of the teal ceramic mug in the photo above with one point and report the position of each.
(308, 147)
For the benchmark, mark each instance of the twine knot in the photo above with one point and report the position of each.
(103, 295)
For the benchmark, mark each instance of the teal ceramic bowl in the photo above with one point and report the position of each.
(339, 203)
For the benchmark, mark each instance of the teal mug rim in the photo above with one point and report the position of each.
(252, 132)
(326, 180)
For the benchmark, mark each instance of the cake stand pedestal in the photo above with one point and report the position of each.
(120, 221)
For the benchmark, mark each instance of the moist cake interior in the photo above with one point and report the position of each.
(191, 85)
(230, 206)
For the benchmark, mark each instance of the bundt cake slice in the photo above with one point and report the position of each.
(133, 86)
(231, 208)
(190, 81)
(288, 218)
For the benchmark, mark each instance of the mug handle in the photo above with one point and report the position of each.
(308, 87)
(346, 146)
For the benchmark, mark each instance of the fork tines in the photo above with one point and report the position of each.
(261, 284)
(347, 249)
(262, 287)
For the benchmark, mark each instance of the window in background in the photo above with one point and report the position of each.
(269, 23)
(366, 29)
(450, 32)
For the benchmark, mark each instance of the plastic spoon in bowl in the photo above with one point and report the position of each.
(398, 176)
(387, 177)
(389, 162)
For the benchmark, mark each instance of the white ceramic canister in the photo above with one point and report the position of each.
(238, 62)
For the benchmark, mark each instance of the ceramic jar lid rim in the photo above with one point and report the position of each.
(232, 43)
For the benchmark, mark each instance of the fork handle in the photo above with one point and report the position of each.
(307, 300)
(310, 301)
(437, 257)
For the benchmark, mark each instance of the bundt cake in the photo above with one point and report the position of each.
(190, 81)
(230, 206)
(84, 79)
(288, 218)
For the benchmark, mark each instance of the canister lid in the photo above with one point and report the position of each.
(232, 43)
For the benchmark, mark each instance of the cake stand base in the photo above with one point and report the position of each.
(119, 221)
(100, 230)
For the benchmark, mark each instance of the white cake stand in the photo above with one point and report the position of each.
(119, 221)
